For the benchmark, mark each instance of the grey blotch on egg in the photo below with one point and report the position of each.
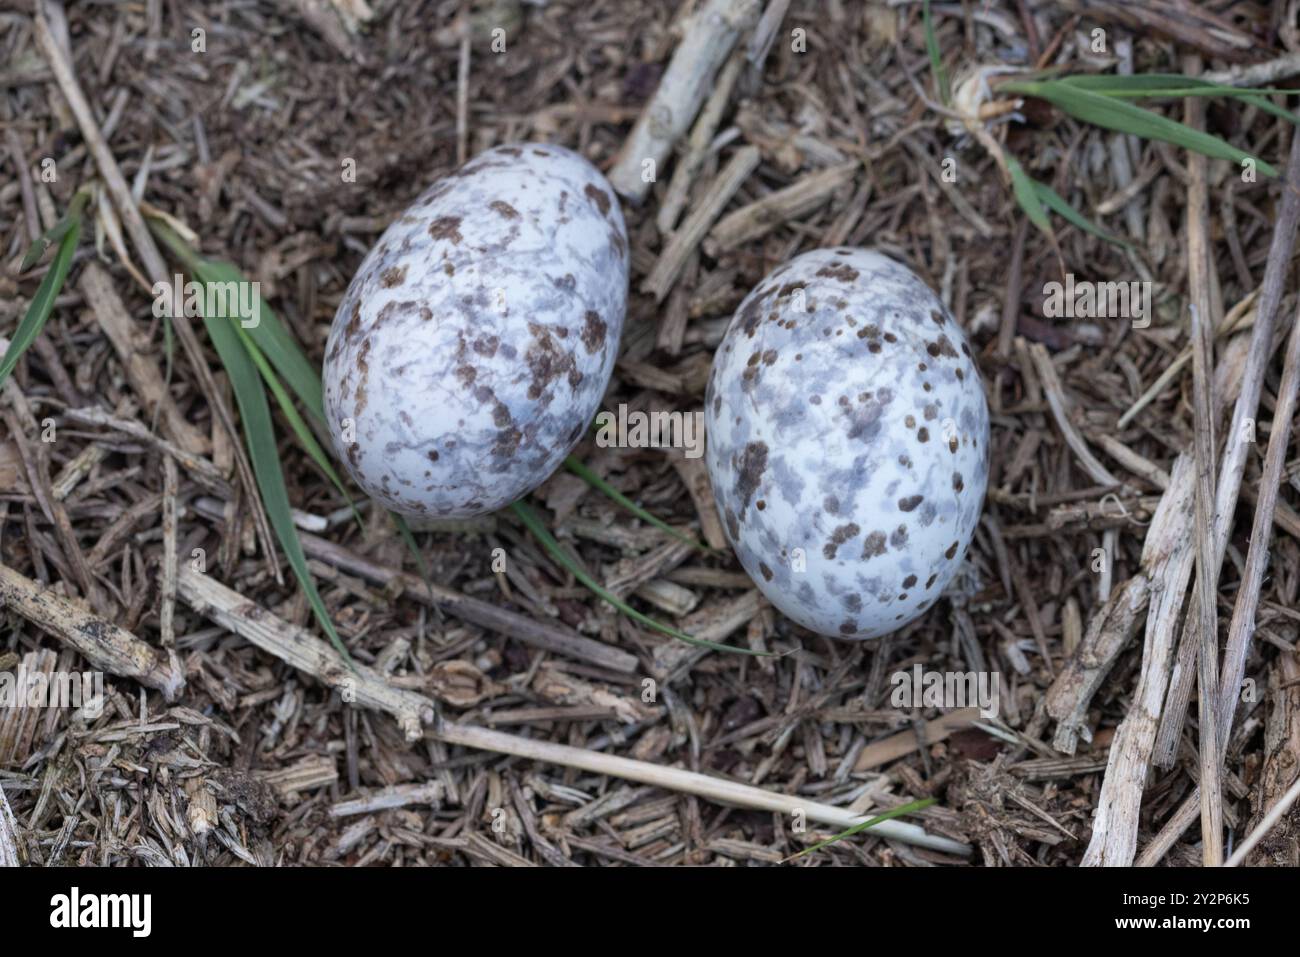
(848, 442)
(476, 340)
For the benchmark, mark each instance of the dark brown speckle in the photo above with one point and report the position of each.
(597, 196)
(873, 545)
(841, 271)
(448, 228)
(593, 331)
(838, 537)
(753, 462)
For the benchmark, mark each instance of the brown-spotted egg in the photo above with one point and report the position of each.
(476, 340)
(848, 441)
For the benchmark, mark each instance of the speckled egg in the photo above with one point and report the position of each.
(476, 340)
(847, 441)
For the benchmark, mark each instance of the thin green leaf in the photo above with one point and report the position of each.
(42, 304)
(43, 242)
(540, 532)
(1172, 86)
(300, 427)
(594, 480)
(275, 340)
(1026, 194)
(259, 436)
(1132, 84)
(269, 332)
(1124, 117)
(1056, 202)
(856, 828)
(1155, 84)
(56, 232)
(936, 58)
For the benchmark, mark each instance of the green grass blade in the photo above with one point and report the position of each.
(259, 436)
(594, 480)
(56, 232)
(540, 532)
(42, 304)
(936, 58)
(856, 828)
(1263, 104)
(1121, 116)
(1136, 84)
(296, 422)
(1173, 86)
(44, 241)
(271, 335)
(1026, 193)
(1157, 84)
(1056, 202)
(276, 342)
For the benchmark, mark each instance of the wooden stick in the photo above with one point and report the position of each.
(1109, 632)
(142, 373)
(1270, 820)
(1056, 399)
(1181, 820)
(201, 470)
(399, 795)
(697, 146)
(1239, 317)
(102, 643)
(906, 742)
(552, 637)
(1015, 285)
(1166, 560)
(1281, 751)
(167, 611)
(31, 218)
(707, 40)
(1236, 446)
(8, 835)
(1135, 463)
(1259, 74)
(760, 43)
(1204, 611)
(803, 196)
(1242, 626)
(35, 458)
(683, 242)
(1115, 824)
(1192, 25)
(154, 265)
(298, 647)
(368, 688)
(687, 782)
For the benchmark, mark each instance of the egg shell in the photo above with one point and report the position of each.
(476, 340)
(847, 441)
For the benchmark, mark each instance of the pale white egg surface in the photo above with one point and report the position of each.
(476, 340)
(848, 441)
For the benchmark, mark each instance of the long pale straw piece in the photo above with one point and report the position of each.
(414, 713)
(688, 782)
